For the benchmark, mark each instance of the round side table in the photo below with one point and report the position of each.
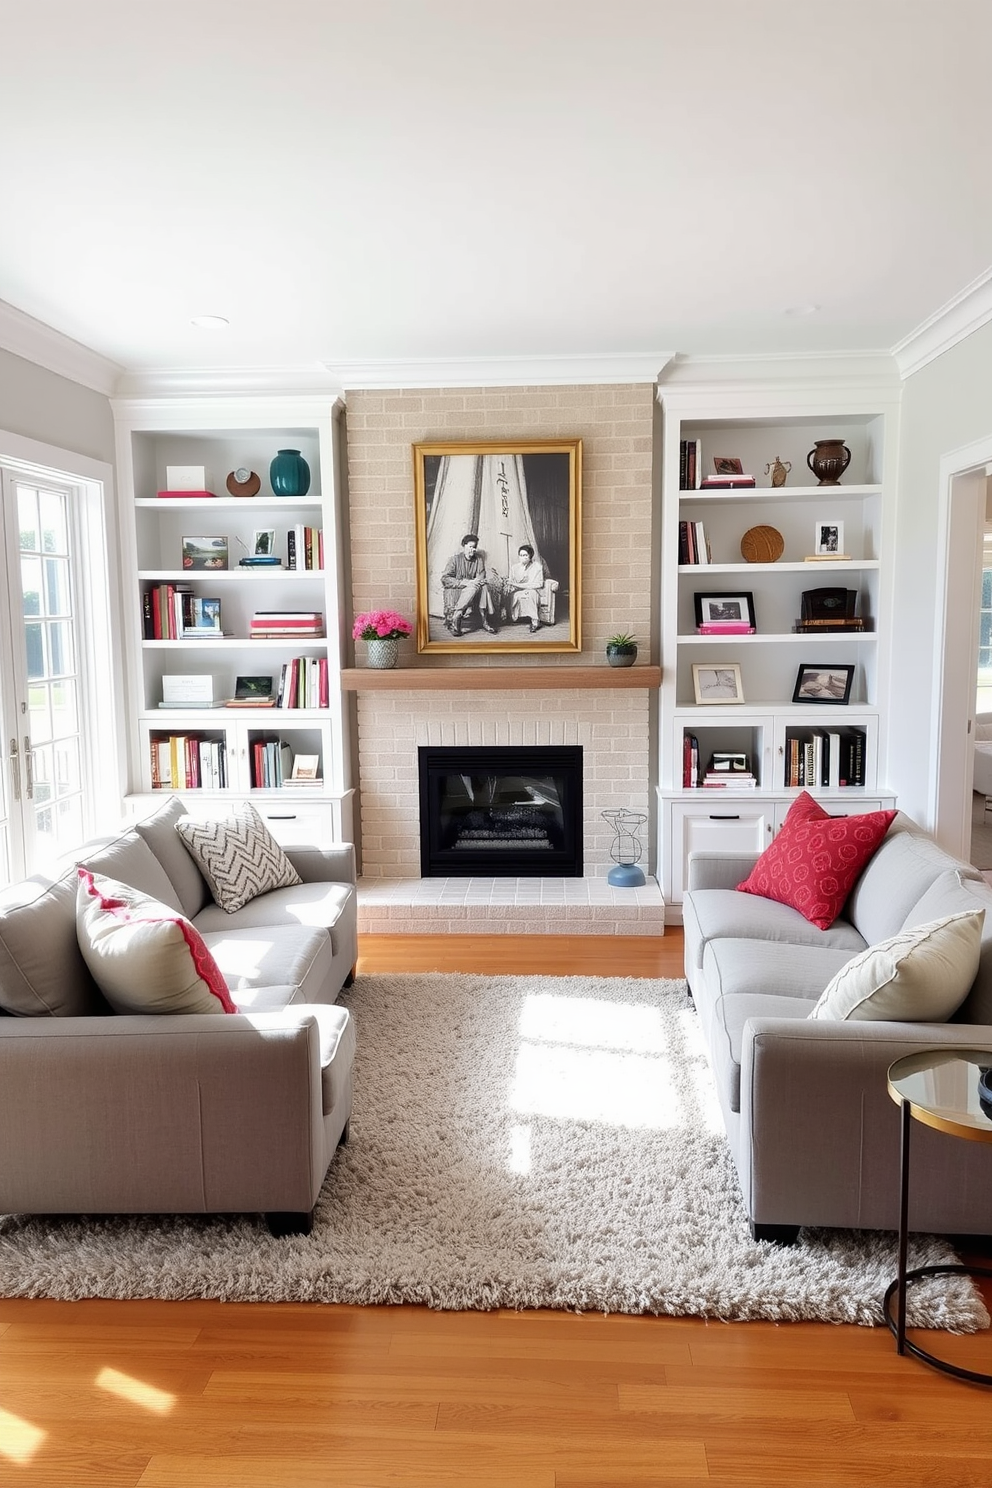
(939, 1087)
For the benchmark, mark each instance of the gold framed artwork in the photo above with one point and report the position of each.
(498, 531)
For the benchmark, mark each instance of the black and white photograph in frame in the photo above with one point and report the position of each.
(823, 684)
(724, 609)
(717, 682)
(828, 538)
(498, 545)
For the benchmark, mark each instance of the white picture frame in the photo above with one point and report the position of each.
(717, 682)
(828, 538)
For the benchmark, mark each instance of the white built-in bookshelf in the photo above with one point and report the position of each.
(225, 752)
(757, 427)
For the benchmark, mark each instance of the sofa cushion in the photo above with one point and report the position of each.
(159, 831)
(902, 869)
(814, 860)
(714, 914)
(295, 956)
(954, 890)
(318, 905)
(237, 855)
(921, 975)
(42, 971)
(128, 860)
(744, 979)
(144, 956)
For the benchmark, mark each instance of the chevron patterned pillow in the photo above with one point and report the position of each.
(238, 856)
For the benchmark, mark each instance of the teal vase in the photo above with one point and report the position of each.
(289, 474)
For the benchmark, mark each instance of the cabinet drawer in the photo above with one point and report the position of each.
(302, 824)
(718, 826)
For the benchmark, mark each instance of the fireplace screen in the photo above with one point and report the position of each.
(501, 812)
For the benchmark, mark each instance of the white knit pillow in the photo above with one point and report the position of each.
(238, 856)
(921, 975)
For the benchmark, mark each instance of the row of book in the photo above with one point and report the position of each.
(284, 625)
(270, 764)
(172, 612)
(188, 762)
(825, 758)
(693, 547)
(305, 547)
(303, 683)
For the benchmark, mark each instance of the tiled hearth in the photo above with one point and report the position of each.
(508, 906)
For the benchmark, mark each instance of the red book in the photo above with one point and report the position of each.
(181, 495)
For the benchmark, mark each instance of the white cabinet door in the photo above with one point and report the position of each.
(736, 825)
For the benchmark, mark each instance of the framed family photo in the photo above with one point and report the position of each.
(828, 538)
(498, 533)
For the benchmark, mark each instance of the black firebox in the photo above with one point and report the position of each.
(501, 811)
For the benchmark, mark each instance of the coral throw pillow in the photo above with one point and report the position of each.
(144, 957)
(813, 863)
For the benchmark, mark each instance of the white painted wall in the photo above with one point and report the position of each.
(947, 406)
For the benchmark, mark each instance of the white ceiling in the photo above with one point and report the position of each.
(384, 180)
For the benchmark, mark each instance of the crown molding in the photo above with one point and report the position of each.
(532, 371)
(37, 342)
(965, 313)
(750, 384)
(220, 382)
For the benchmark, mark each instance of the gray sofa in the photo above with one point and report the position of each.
(188, 1113)
(814, 1132)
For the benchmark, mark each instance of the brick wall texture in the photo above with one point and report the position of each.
(618, 537)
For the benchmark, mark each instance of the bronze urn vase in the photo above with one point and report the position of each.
(828, 459)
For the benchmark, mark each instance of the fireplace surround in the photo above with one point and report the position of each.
(504, 811)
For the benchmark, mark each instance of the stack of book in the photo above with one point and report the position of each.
(284, 625)
(305, 547)
(693, 547)
(303, 683)
(725, 627)
(729, 780)
(738, 482)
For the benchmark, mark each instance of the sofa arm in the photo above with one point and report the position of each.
(324, 864)
(819, 1132)
(716, 870)
(191, 1113)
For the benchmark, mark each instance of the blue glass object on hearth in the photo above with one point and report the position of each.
(289, 473)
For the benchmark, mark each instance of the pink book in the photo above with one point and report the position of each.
(725, 627)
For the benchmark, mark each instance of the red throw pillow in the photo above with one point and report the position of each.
(814, 861)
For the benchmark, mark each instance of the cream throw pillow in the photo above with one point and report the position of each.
(144, 956)
(238, 856)
(921, 975)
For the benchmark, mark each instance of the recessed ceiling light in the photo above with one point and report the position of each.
(210, 322)
(797, 310)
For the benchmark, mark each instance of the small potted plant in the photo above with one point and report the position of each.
(621, 650)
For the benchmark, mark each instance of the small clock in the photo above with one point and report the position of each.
(243, 482)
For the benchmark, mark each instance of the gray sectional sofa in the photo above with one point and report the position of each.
(185, 1113)
(814, 1132)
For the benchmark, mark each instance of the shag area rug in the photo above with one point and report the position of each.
(516, 1142)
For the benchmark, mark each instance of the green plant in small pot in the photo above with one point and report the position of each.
(621, 650)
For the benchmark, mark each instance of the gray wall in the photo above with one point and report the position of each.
(946, 406)
(39, 404)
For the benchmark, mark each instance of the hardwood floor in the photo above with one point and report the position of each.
(220, 1395)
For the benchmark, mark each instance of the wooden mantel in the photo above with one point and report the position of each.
(499, 679)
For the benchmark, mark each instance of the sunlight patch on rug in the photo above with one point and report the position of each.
(515, 1142)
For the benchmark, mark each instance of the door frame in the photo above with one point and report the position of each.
(960, 531)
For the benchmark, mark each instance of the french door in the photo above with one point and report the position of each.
(42, 652)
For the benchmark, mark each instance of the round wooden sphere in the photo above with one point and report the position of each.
(762, 545)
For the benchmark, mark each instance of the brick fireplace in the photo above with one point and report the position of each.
(505, 700)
